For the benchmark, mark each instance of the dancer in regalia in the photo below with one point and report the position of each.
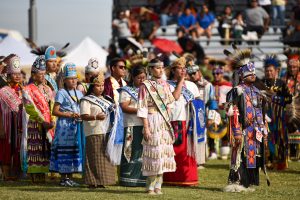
(11, 120)
(131, 161)
(279, 98)
(91, 71)
(219, 131)
(38, 101)
(184, 92)
(67, 151)
(292, 80)
(207, 95)
(154, 102)
(248, 129)
(96, 112)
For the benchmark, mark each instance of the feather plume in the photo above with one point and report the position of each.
(271, 59)
(293, 112)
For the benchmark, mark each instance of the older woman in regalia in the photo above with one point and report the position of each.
(11, 123)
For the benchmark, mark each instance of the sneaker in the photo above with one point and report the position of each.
(213, 156)
(74, 184)
(67, 182)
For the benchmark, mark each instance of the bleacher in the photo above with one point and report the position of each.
(269, 43)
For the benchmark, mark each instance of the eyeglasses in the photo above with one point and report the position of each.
(121, 66)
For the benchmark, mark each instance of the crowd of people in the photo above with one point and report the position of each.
(195, 19)
(155, 123)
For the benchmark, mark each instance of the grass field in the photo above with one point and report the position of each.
(285, 185)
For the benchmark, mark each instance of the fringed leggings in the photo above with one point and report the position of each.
(154, 182)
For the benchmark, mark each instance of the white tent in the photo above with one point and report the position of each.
(10, 45)
(87, 49)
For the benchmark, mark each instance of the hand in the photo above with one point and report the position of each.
(100, 117)
(48, 125)
(147, 134)
(74, 115)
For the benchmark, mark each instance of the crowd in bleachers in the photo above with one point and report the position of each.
(198, 18)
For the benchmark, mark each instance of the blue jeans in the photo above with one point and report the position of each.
(278, 13)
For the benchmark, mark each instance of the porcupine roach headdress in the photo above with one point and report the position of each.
(271, 59)
(241, 63)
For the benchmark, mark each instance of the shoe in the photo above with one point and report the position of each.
(74, 184)
(213, 156)
(92, 186)
(158, 191)
(200, 167)
(66, 182)
(151, 192)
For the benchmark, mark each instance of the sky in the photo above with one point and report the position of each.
(61, 21)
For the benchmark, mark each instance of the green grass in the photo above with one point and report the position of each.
(285, 185)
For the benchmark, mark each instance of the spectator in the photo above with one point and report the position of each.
(293, 38)
(112, 53)
(187, 23)
(190, 46)
(238, 26)
(170, 10)
(267, 5)
(134, 24)
(147, 28)
(295, 17)
(278, 14)
(225, 21)
(256, 18)
(206, 20)
(122, 25)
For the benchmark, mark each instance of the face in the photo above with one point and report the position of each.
(195, 76)
(187, 11)
(250, 79)
(51, 66)
(227, 10)
(88, 76)
(98, 89)
(39, 77)
(270, 72)
(218, 76)
(71, 83)
(119, 70)
(179, 71)
(205, 8)
(15, 78)
(139, 79)
(253, 3)
(157, 71)
(293, 66)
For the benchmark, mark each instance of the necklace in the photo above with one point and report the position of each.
(274, 84)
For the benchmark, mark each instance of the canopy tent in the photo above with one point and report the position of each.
(10, 45)
(87, 49)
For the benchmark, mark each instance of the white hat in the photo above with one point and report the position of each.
(93, 66)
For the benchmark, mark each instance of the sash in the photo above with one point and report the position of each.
(197, 122)
(52, 82)
(105, 105)
(36, 104)
(133, 92)
(188, 95)
(154, 93)
(74, 106)
(9, 96)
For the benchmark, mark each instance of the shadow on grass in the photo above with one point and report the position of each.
(214, 189)
(285, 171)
(217, 166)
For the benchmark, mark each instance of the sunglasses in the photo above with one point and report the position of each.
(121, 66)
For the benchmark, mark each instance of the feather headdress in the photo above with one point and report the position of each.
(42, 49)
(292, 53)
(271, 59)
